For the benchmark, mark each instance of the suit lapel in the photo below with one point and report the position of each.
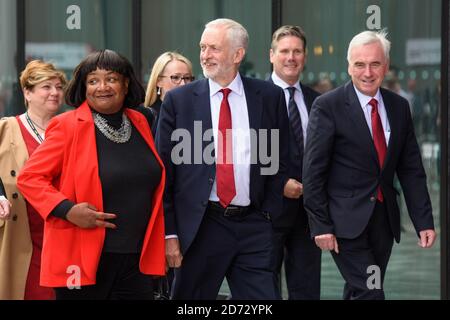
(202, 104)
(87, 175)
(254, 103)
(18, 146)
(392, 119)
(356, 114)
(254, 107)
(201, 108)
(307, 97)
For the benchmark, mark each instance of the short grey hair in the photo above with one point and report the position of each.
(367, 37)
(236, 33)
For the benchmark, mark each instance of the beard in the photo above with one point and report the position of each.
(219, 71)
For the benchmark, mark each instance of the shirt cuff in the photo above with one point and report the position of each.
(171, 236)
(3, 198)
(61, 210)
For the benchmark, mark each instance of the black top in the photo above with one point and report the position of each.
(129, 174)
(151, 113)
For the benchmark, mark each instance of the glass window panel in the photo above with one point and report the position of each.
(73, 29)
(414, 28)
(9, 99)
(177, 25)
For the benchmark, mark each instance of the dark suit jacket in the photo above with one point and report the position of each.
(293, 206)
(151, 113)
(341, 170)
(189, 186)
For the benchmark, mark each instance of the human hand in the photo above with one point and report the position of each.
(427, 238)
(293, 189)
(5, 209)
(173, 253)
(86, 216)
(327, 242)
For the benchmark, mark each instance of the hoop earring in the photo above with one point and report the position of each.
(159, 91)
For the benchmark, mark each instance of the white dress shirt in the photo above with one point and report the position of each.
(367, 109)
(299, 100)
(241, 137)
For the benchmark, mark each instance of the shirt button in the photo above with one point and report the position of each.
(372, 199)
(15, 195)
(14, 218)
(13, 173)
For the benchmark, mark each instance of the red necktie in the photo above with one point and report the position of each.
(226, 189)
(378, 139)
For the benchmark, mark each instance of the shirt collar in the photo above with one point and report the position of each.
(364, 99)
(281, 83)
(236, 86)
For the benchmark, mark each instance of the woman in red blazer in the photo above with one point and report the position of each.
(98, 183)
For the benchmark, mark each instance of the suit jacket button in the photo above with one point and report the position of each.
(13, 173)
(15, 195)
(14, 218)
(372, 199)
(204, 203)
(211, 180)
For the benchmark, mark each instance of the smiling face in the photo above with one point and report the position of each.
(368, 67)
(45, 97)
(106, 90)
(218, 58)
(288, 58)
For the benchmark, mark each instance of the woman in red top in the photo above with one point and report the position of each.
(21, 231)
(98, 182)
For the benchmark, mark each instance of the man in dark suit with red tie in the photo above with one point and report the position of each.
(222, 192)
(359, 137)
(292, 240)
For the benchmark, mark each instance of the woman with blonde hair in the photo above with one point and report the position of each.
(21, 227)
(169, 71)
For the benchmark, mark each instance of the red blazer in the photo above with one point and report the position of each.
(65, 166)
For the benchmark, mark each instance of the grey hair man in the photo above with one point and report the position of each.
(359, 137)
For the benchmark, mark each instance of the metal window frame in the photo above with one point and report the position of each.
(445, 160)
(136, 41)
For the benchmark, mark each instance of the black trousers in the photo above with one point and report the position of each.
(360, 258)
(302, 260)
(118, 278)
(238, 248)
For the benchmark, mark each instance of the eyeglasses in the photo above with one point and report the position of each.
(176, 79)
